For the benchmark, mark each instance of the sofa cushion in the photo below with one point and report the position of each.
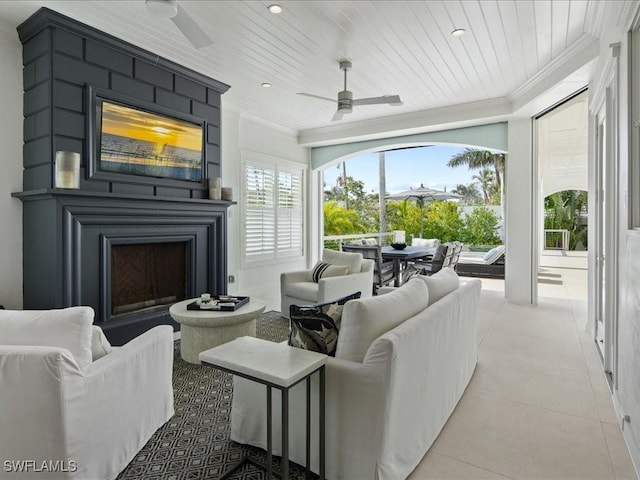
(316, 327)
(324, 270)
(441, 283)
(100, 346)
(68, 328)
(366, 319)
(351, 259)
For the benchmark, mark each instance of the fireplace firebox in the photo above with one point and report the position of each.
(146, 276)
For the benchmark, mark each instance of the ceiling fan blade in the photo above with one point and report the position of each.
(318, 97)
(191, 29)
(338, 116)
(390, 99)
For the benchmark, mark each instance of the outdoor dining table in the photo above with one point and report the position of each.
(401, 256)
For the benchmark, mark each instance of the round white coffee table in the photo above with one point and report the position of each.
(201, 330)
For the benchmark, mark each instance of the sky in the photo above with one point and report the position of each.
(134, 123)
(405, 169)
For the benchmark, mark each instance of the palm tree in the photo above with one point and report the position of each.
(475, 159)
(486, 179)
(469, 193)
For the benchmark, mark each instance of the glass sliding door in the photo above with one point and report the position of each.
(606, 163)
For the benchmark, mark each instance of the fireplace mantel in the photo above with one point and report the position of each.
(68, 238)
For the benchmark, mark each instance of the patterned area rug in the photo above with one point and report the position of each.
(195, 443)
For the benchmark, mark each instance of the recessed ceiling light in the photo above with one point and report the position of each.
(275, 8)
(458, 32)
(266, 84)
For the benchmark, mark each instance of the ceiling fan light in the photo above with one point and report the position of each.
(162, 8)
(458, 32)
(275, 8)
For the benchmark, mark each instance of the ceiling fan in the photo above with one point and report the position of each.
(345, 97)
(178, 15)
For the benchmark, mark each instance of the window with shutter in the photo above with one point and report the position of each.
(273, 211)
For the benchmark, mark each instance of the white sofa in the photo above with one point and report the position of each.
(81, 409)
(403, 361)
(297, 288)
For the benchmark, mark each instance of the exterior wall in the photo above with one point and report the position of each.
(614, 57)
(11, 164)
(626, 378)
(240, 133)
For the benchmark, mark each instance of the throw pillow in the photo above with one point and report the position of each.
(324, 270)
(100, 346)
(68, 328)
(366, 319)
(441, 283)
(316, 327)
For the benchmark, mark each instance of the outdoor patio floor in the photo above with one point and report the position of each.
(538, 405)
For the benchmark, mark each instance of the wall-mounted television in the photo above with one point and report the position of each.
(144, 141)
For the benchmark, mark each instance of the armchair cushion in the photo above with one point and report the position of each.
(441, 283)
(68, 328)
(364, 321)
(316, 327)
(352, 260)
(100, 346)
(324, 270)
(307, 291)
(425, 242)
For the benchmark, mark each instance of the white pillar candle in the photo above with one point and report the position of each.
(399, 236)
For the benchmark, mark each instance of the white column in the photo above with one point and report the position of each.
(520, 222)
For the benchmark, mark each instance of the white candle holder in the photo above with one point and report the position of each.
(399, 236)
(67, 170)
(215, 188)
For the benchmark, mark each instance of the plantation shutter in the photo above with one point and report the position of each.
(273, 210)
(260, 215)
(289, 213)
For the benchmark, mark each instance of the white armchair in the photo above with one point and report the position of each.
(81, 418)
(296, 288)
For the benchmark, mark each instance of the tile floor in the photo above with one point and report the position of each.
(538, 406)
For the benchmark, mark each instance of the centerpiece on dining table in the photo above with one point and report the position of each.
(399, 240)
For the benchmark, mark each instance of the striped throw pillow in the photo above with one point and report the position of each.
(324, 270)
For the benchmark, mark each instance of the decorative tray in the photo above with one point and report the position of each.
(225, 303)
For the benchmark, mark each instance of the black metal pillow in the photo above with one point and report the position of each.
(316, 327)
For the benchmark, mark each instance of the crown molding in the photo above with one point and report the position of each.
(629, 18)
(571, 60)
(454, 116)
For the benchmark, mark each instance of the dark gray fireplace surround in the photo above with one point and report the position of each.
(68, 234)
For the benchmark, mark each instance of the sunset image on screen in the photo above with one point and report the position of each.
(143, 143)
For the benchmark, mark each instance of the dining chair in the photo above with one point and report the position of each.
(383, 273)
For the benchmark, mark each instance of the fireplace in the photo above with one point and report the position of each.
(127, 245)
(146, 276)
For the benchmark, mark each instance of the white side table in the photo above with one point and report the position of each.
(277, 366)
(204, 329)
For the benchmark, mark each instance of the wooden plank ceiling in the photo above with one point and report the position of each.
(397, 47)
